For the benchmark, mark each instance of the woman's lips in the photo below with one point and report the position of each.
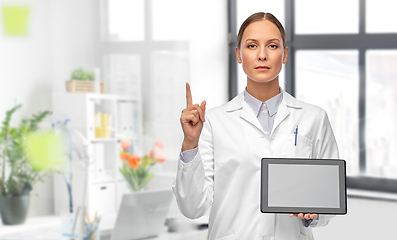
(262, 68)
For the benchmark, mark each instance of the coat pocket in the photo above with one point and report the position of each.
(304, 237)
(299, 146)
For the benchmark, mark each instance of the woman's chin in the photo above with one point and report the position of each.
(264, 80)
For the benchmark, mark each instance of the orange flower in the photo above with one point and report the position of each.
(158, 144)
(160, 160)
(134, 161)
(125, 144)
(151, 154)
(124, 156)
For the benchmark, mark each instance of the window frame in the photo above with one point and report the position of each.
(232, 43)
(360, 41)
(143, 48)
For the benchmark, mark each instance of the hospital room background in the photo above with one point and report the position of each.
(342, 58)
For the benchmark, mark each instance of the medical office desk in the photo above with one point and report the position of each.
(49, 228)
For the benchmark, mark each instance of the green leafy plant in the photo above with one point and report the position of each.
(81, 74)
(20, 176)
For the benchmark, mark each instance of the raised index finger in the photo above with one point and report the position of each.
(188, 96)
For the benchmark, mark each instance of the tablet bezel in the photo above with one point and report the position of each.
(302, 161)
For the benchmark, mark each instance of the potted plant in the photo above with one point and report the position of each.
(84, 81)
(83, 75)
(17, 174)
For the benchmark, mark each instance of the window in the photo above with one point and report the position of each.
(168, 25)
(349, 66)
(151, 48)
(317, 70)
(339, 59)
(319, 17)
(125, 20)
(379, 16)
(381, 113)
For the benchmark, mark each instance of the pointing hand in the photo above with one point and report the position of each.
(192, 121)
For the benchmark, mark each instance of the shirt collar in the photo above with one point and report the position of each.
(256, 105)
(238, 101)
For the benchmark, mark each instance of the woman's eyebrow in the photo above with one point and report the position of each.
(256, 40)
(274, 39)
(251, 39)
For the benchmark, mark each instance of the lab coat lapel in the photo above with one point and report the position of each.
(248, 115)
(281, 114)
(283, 110)
(238, 104)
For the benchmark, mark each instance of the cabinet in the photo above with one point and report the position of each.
(102, 182)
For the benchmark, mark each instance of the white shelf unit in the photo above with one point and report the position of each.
(105, 184)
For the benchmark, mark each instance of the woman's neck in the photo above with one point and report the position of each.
(263, 91)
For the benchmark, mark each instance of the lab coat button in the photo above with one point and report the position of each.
(266, 133)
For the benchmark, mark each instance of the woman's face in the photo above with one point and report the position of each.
(262, 52)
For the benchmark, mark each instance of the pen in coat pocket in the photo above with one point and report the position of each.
(296, 134)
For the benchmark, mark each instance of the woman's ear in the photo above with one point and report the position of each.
(238, 55)
(285, 58)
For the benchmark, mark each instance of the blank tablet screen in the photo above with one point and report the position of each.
(316, 185)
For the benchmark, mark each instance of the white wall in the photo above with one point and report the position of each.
(204, 64)
(73, 37)
(207, 75)
(25, 78)
(59, 39)
(25, 63)
(208, 50)
(62, 37)
(366, 219)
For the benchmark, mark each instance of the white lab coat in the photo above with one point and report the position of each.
(225, 174)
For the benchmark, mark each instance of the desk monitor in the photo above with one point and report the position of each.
(142, 214)
(290, 185)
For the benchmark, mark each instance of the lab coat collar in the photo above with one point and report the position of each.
(290, 101)
(238, 102)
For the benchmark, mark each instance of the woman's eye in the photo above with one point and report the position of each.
(273, 46)
(251, 46)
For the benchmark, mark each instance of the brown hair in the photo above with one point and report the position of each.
(258, 17)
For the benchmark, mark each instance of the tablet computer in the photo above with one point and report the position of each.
(296, 185)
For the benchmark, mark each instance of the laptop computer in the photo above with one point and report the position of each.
(142, 215)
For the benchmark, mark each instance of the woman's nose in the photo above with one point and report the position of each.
(262, 55)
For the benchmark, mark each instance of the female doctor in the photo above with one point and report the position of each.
(220, 163)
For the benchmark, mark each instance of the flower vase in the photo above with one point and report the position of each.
(142, 189)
